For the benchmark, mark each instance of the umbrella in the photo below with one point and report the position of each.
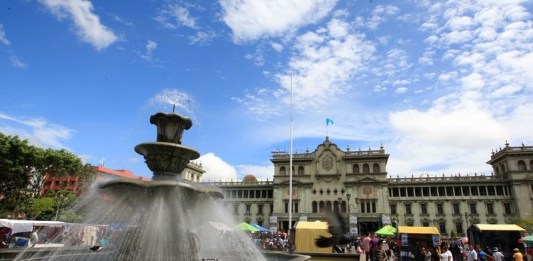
(261, 229)
(528, 239)
(247, 227)
(387, 230)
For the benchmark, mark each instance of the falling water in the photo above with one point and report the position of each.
(167, 218)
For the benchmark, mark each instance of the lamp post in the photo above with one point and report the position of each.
(348, 208)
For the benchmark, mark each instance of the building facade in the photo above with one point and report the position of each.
(357, 184)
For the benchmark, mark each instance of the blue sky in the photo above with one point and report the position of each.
(440, 84)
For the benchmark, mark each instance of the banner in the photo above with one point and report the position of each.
(353, 220)
(385, 219)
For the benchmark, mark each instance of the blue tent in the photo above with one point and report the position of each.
(261, 229)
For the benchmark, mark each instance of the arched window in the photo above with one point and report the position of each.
(521, 165)
(343, 207)
(497, 169)
(300, 170)
(336, 206)
(375, 168)
(321, 207)
(355, 168)
(315, 207)
(282, 171)
(366, 168)
(329, 206)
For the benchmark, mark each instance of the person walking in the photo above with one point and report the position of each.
(444, 254)
(472, 254)
(498, 256)
(427, 254)
(517, 256)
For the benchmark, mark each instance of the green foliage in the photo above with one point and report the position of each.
(453, 233)
(23, 168)
(527, 224)
(70, 216)
(42, 206)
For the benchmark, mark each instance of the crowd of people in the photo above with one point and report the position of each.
(371, 247)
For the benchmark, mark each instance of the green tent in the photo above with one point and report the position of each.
(247, 227)
(387, 230)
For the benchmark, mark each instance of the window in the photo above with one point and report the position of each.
(375, 168)
(408, 209)
(366, 168)
(300, 170)
(248, 207)
(459, 226)
(321, 207)
(442, 226)
(260, 209)
(473, 208)
(282, 171)
(531, 164)
(440, 209)
(286, 207)
(521, 165)
(490, 208)
(424, 209)
(355, 168)
(393, 209)
(295, 207)
(315, 207)
(456, 210)
(507, 208)
(425, 223)
(236, 208)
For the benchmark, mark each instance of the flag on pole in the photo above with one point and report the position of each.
(329, 121)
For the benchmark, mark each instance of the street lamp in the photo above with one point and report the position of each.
(348, 207)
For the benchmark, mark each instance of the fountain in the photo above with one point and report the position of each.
(166, 218)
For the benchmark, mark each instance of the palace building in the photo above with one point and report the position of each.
(356, 184)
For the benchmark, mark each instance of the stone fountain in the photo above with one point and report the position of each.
(163, 219)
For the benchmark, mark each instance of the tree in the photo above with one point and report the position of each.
(23, 168)
(527, 224)
(17, 159)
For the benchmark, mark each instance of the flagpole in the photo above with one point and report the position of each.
(290, 167)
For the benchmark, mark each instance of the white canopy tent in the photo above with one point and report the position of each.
(18, 226)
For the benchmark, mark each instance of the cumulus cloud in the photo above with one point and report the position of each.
(88, 25)
(251, 20)
(490, 88)
(216, 169)
(37, 131)
(260, 172)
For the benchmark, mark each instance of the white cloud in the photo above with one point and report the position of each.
(150, 47)
(260, 172)
(216, 169)
(37, 131)
(16, 62)
(3, 38)
(276, 46)
(174, 16)
(202, 37)
(88, 25)
(401, 90)
(380, 14)
(490, 89)
(252, 20)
